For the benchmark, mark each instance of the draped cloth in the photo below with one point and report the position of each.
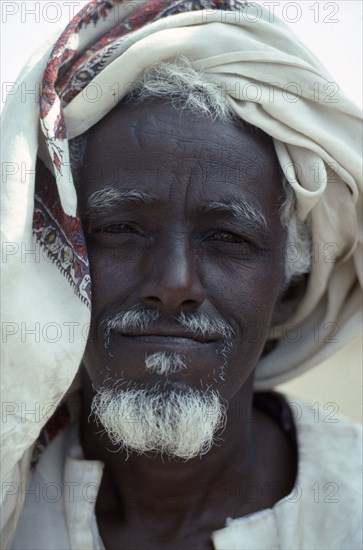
(270, 79)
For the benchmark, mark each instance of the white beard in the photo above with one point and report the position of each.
(177, 423)
(164, 363)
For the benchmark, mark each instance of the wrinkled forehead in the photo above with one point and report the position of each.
(154, 142)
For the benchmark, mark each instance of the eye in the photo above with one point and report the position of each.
(227, 237)
(115, 228)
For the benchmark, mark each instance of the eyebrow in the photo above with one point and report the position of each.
(242, 210)
(109, 197)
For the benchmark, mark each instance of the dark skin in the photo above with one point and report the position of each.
(171, 257)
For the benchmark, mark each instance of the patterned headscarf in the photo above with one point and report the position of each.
(271, 80)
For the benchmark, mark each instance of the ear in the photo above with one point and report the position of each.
(288, 300)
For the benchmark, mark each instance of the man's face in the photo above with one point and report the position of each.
(181, 217)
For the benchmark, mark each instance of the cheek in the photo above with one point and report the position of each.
(250, 287)
(114, 278)
(114, 281)
(247, 297)
(247, 302)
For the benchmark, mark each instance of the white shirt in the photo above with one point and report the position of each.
(323, 511)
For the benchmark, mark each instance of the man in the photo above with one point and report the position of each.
(181, 216)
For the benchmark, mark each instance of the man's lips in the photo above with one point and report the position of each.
(173, 343)
(167, 336)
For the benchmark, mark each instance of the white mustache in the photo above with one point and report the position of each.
(136, 318)
(200, 324)
(140, 318)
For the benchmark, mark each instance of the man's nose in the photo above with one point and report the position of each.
(172, 281)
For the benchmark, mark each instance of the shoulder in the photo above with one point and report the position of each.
(329, 481)
(322, 430)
